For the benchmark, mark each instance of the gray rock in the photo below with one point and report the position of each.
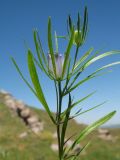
(33, 119)
(10, 103)
(25, 113)
(103, 131)
(20, 105)
(38, 125)
(107, 138)
(18, 108)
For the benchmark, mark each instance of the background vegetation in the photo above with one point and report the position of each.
(37, 147)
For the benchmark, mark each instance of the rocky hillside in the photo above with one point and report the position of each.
(26, 133)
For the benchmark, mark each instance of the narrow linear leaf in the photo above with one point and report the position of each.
(80, 109)
(23, 78)
(92, 127)
(56, 42)
(106, 66)
(64, 37)
(83, 58)
(93, 75)
(85, 24)
(85, 147)
(68, 26)
(70, 22)
(79, 83)
(84, 98)
(90, 109)
(74, 104)
(78, 23)
(69, 138)
(67, 53)
(39, 52)
(75, 78)
(82, 67)
(38, 45)
(65, 147)
(100, 57)
(51, 46)
(36, 83)
(39, 65)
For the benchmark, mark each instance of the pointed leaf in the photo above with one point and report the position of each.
(85, 25)
(81, 69)
(36, 83)
(78, 23)
(92, 127)
(74, 104)
(64, 37)
(84, 98)
(38, 46)
(83, 58)
(70, 22)
(100, 57)
(106, 66)
(39, 65)
(79, 83)
(93, 75)
(67, 53)
(51, 46)
(38, 50)
(20, 73)
(85, 147)
(75, 78)
(56, 42)
(89, 109)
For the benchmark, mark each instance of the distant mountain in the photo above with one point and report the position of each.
(112, 126)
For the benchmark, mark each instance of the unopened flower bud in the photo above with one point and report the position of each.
(59, 61)
(77, 38)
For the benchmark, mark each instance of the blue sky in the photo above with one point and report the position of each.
(19, 18)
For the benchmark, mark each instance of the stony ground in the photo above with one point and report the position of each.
(20, 139)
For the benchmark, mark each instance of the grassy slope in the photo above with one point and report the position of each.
(35, 147)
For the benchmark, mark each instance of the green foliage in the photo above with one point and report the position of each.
(35, 147)
(50, 46)
(67, 53)
(69, 79)
(36, 83)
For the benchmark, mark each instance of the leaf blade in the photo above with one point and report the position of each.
(67, 53)
(83, 58)
(36, 84)
(100, 57)
(51, 46)
(92, 127)
(23, 78)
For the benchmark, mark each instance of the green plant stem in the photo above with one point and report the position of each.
(76, 53)
(57, 98)
(58, 135)
(61, 127)
(64, 127)
(59, 119)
